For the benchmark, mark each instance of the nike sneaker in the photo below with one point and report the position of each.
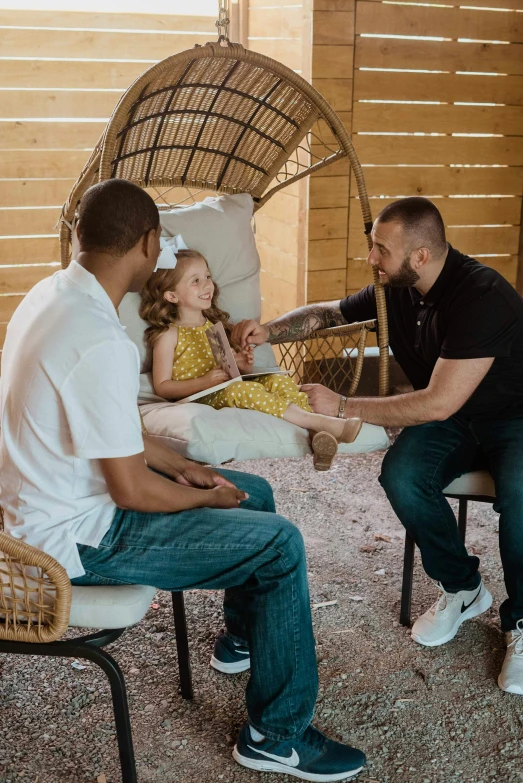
(309, 757)
(229, 657)
(511, 677)
(441, 622)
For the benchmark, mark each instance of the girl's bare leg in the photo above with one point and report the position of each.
(344, 430)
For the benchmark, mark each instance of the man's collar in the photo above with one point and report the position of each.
(87, 282)
(434, 294)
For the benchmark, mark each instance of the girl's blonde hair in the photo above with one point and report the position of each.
(160, 313)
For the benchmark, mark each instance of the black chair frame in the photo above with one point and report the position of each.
(90, 648)
(410, 546)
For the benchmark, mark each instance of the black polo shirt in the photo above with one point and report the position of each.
(470, 312)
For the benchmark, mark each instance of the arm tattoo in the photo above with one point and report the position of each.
(300, 323)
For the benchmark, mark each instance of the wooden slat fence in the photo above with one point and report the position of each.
(61, 75)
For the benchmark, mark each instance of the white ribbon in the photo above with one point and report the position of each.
(169, 249)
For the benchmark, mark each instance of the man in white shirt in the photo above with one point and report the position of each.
(77, 483)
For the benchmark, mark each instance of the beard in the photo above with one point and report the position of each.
(405, 277)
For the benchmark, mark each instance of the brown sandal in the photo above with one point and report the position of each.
(351, 430)
(324, 449)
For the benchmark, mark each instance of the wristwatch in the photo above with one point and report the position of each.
(341, 409)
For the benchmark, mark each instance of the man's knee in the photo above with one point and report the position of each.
(398, 474)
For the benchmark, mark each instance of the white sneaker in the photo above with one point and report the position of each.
(511, 676)
(441, 622)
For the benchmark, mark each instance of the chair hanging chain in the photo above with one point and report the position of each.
(223, 21)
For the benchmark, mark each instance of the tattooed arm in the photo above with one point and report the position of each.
(295, 325)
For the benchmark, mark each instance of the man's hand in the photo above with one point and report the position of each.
(194, 475)
(321, 399)
(246, 332)
(225, 497)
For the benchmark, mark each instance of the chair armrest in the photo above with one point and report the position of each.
(35, 593)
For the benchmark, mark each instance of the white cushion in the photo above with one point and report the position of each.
(220, 229)
(112, 606)
(477, 482)
(206, 435)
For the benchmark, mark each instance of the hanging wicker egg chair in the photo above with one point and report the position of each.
(225, 119)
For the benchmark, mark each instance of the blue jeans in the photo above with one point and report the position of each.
(258, 557)
(423, 461)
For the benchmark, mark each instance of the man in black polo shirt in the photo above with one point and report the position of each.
(456, 329)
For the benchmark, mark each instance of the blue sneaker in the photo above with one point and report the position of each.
(310, 757)
(228, 657)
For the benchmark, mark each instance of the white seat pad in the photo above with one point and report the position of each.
(109, 606)
(477, 482)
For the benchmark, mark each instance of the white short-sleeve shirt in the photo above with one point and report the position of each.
(69, 389)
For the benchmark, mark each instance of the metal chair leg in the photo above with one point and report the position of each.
(406, 585)
(120, 707)
(462, 517)
(182, 645)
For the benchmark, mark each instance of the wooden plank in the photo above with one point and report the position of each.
(49, 103)
(8, 305)
(277, 234)
(283, 22)
(469, 240)
(53, 74)
(21, 279)
(283, 207)
(395, 182)
(438, 55)
(277, 263)
(505, 265)
(333, 28)
(34, 193)
(15, 164)
(507, 120)
(455, 211)
(334, 5)
(422, 20)
(359, 274)
(489, 5)
(337, 92)
(328, 223)
(327, 254)
(26, 134)
(29, 250)
(450, 87)
(286, 51)
(108, 21)
(418, 150)
(325, 285)
(332, 62)
(327, 192)
(95, 44)
(17, 222)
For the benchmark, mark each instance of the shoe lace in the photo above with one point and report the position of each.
(517, 639)
(441, 602)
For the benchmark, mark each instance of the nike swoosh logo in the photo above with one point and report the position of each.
(465, 607)
(292, 761)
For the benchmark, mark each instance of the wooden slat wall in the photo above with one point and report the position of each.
(61, 76)
(409, 98)
(281, 29)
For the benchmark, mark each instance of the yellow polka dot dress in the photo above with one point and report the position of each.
(268, 393)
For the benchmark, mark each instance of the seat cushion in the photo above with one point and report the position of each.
(477, 482)
(204, 434)
(109, 606)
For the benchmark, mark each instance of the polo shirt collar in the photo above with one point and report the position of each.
(434, 294)
(87, 282)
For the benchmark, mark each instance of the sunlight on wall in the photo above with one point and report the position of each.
(180, 7)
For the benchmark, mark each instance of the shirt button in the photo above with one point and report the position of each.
(422, 303)
(419, 323)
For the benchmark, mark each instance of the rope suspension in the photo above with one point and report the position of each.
(223, 21)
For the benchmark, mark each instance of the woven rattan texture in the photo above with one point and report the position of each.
(35, 593)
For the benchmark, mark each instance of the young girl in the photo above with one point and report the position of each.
(180, 304)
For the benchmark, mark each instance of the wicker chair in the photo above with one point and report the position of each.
(223, 119)
(38, 604)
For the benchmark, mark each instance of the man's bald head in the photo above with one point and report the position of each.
(421, 222)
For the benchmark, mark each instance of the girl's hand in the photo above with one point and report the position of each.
(245, 359)
(216, 376)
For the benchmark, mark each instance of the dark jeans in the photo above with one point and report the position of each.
(423, 461)
(258, 557)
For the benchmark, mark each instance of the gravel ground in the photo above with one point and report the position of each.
(421, 715)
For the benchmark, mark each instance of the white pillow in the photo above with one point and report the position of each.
(220, 229)
(206, 435)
